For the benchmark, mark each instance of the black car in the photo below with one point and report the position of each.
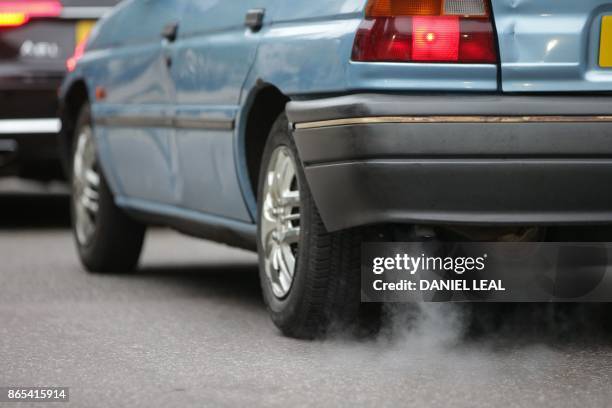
(37, 40)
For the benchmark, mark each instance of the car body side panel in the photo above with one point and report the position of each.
(304, 49)
(135, 77)
(135, 151)
(134, 22)
(212, 58)
(551, 45)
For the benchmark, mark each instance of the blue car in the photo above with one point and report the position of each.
(301, 129)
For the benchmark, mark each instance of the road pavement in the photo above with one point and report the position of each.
(189, 329)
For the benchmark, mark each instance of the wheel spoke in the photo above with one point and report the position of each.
(291, 235)
(89, 204)
(290, 217)
(286, 266)
(91, 194)
(92, 178)
(290, 199)
(274, 258)
(286, 172)
(288, 259)
(273, 189)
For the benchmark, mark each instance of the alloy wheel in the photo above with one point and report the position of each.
(280, 221)
(85, 187)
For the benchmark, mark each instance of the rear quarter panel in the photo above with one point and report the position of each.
(551, 45)
(307, 50)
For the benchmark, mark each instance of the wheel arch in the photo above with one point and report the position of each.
(72, 102)
(264, 104)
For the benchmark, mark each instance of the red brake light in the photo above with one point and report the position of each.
(79, 50)
(449, 31)
(435, 38)
(16, 13)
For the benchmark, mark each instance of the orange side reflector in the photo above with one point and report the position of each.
(100, 93)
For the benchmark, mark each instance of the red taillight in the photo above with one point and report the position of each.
(79, 50)
(435, 38)
(445, 31)
(16, 13)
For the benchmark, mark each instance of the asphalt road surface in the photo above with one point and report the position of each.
(189, 330)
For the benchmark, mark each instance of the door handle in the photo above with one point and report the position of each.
(170, 31)
(254, 19)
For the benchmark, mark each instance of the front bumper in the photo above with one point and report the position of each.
(457, 159)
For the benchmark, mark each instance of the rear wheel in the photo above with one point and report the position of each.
(310, 277)
(107, 239)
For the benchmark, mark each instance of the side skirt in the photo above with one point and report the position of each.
(219, 229)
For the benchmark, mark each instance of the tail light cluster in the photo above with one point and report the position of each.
(15, 13)
(434, 31)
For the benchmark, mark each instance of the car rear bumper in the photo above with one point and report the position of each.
(29, 127)
(29, 148)
(482, 159)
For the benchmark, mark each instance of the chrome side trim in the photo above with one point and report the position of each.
(134, 121)
(451, 119)
(202, 123)
(179, 123)
(84, 12)
(29, 126)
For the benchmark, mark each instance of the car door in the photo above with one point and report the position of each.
(211, 61)
(134, 121)
(555, 45)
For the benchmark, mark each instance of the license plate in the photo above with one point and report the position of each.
(605, 47)
(83, 28)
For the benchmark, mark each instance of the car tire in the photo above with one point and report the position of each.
(107, 240)
(324, 291)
